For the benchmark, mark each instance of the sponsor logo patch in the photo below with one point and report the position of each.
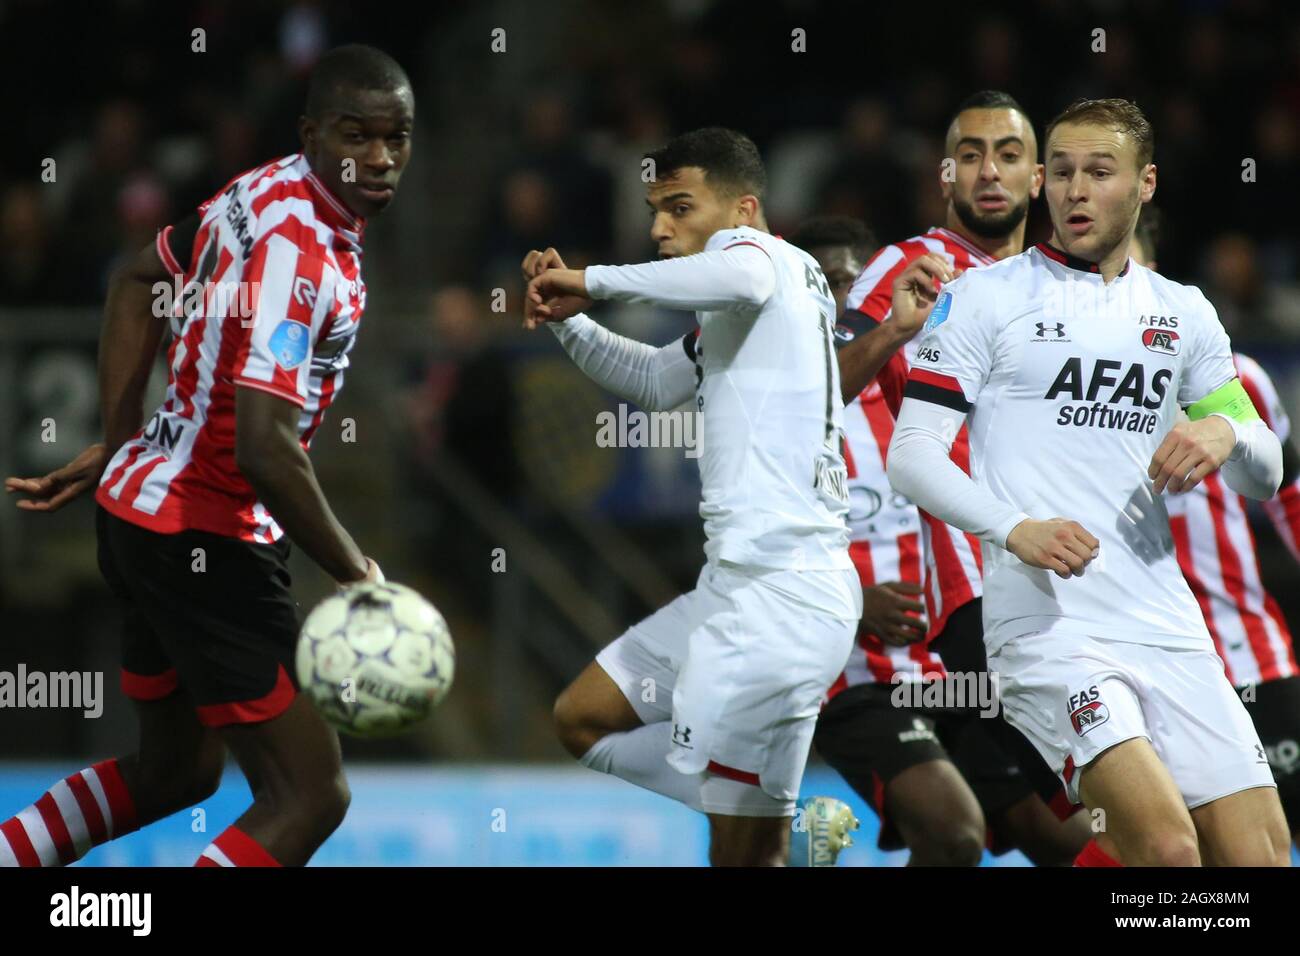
(289, 344)
(1090, 715)
(1164, 341)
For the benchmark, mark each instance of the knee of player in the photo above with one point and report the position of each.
(329, 804)
(1277, 849)
(206, 777)
(1168, 847)
(959, 845)
(573, 725)
(952, 840)
(766, 845)
(339, 796)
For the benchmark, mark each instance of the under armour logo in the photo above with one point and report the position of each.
(682, 736)
(1259, 752)
(1044, 329)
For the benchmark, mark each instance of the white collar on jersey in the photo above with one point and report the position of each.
(334, 211)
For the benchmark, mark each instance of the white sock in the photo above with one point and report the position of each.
(640, 756)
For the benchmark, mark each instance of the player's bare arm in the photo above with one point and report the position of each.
(915, 292)
(128, 344)
(270, 456)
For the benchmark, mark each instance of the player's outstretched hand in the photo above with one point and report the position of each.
(1189, 452)
(1058, 544)
(60, 486)
(889, 612)
(558, 308)
(554, 295)
(916, 289)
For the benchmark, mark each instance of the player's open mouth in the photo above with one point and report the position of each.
(1078, 224)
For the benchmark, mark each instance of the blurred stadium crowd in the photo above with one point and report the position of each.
(540, 144)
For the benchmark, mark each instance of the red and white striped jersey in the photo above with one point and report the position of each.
(884, 543)
(953, 563)
(271, 299)
(1216, 551)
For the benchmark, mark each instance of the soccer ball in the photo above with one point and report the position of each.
(375, 659)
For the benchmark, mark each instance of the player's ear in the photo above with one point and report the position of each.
(1036, 183)
(1147, 188)
(748, 210)
(307, 130)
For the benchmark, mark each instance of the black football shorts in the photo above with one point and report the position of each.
(204, 612)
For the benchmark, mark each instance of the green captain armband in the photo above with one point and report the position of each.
(1230, 400)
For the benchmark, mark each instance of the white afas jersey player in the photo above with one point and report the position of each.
(1071, 384)
(741, 663)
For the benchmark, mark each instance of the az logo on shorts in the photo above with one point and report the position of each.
(1087, 711)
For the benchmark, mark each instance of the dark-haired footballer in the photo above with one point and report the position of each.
(712, 699)
(221, 468)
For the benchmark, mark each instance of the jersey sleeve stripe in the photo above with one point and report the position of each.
(688, 344)
(939, 389)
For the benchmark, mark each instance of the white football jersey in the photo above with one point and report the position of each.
(774, 482)
(1071, 386)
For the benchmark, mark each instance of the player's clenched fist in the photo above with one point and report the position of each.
(537, 262)
(916, 289)
(1058, 544)
(1189, 452)
(554, 292)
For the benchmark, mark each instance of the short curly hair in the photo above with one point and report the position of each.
(1123, 115)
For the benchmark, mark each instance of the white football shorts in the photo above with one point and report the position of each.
(1075, 696)
(740, 665)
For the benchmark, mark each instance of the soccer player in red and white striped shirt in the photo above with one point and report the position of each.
(989, 177)
(197, 505)
(1217, 555)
